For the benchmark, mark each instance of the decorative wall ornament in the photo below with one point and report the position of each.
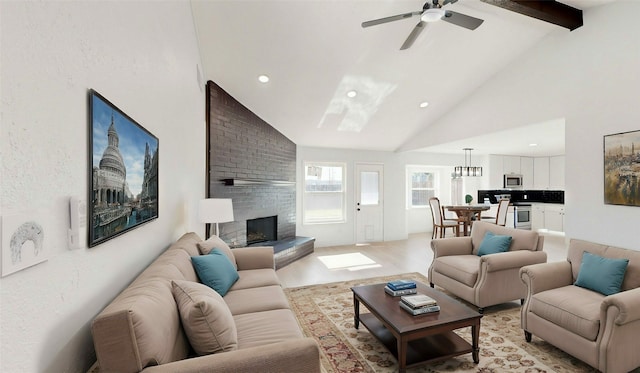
(23, 241)
(622, 169)
(123, 173)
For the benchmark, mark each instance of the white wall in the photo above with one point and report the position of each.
(590, 77)
(143, 57)
(398, 221)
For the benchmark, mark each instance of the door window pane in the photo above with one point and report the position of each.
(369, 183)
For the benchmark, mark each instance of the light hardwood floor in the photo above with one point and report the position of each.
(352, 262)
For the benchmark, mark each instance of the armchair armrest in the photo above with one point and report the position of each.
(545, 276)
(254, 257)
(512, 259)
(296, 355)
(451, 246)
(627, 304)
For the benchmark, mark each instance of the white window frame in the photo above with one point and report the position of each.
(343, 192)
(409, 184)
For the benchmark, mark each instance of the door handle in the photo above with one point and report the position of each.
(358, 209)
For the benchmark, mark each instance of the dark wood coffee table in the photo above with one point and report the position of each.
(417, 340)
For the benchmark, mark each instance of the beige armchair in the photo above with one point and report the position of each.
(598, 329)
(489, 279)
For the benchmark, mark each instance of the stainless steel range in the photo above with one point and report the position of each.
(522, 216)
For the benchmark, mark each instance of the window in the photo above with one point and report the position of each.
(324, 193)
(421, 185)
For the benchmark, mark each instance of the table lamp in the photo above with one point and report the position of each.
(215, 210)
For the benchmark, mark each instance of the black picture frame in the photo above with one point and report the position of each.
(622, 168)
(123, 172)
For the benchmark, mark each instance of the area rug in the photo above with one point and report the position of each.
(325, 313)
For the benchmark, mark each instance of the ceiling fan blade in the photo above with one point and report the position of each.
(462, 20)
(413, 35)
(390, 19)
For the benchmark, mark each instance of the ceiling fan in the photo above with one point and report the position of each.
(431, 12)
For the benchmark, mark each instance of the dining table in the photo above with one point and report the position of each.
(466, 214)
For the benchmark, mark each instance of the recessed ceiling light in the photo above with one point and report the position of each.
(352, 94)
(263, 79)
(533, 144)
(424, 104)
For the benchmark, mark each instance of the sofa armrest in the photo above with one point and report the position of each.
(545, 276)
(451, 246)
(512, 259)
(627, 304)
(296, 355)
(254, 257)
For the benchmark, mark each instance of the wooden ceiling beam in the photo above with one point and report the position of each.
(546, 10)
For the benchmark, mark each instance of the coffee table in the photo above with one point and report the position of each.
(417, 340)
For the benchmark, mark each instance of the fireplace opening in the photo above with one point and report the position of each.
(262, 229)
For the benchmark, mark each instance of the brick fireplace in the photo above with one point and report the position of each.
(252, 163)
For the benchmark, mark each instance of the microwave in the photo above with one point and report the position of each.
(512, 181)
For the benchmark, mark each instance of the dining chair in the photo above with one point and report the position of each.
(501, 215)
(439, 222)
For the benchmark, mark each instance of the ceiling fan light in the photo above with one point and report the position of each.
(432, 15)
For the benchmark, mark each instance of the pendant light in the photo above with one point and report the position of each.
(467, 169)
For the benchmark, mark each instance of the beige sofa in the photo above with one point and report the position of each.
(600, 330)
(484, 280)
(141, 329)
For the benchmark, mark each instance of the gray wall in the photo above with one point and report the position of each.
(244, 146)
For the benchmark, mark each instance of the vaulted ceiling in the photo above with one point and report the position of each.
(316, 52)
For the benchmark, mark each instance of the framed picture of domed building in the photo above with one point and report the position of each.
(123, 174)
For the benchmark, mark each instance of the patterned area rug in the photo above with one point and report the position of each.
(325, 312)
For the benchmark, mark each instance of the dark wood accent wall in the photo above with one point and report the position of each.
(240, 145)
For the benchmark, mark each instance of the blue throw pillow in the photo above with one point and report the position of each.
(216, 271)
(493, 243)
(603, 275)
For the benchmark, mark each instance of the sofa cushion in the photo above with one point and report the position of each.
(206, 319)
(603, 275)
(215, 242)
(260, 328)
(216, 271)
(264, 298)
(494, 243)
(462, 268)
(572, 308)
(254, 278)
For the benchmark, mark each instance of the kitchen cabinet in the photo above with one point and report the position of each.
(554, 218)
(556, 172)
(541, 173)
(537, 216)
(511, 164)
(495, 171)
(526, 169)
(549, 216)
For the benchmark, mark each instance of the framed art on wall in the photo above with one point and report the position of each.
(123, 174)
(622, 169)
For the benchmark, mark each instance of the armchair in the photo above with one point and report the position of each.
(484, 280)
(601, 330)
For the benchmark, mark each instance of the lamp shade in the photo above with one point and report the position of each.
(215, 210)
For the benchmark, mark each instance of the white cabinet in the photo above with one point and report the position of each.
(537, 216)
(541, 173)
(549, 216)
(526, 169)
(556, 172)
(495, 171)
(511, 164)
(554, 217)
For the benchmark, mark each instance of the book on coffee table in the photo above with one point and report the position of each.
(398, 293)
(420, 310)
(401, 284)
(418, 300)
